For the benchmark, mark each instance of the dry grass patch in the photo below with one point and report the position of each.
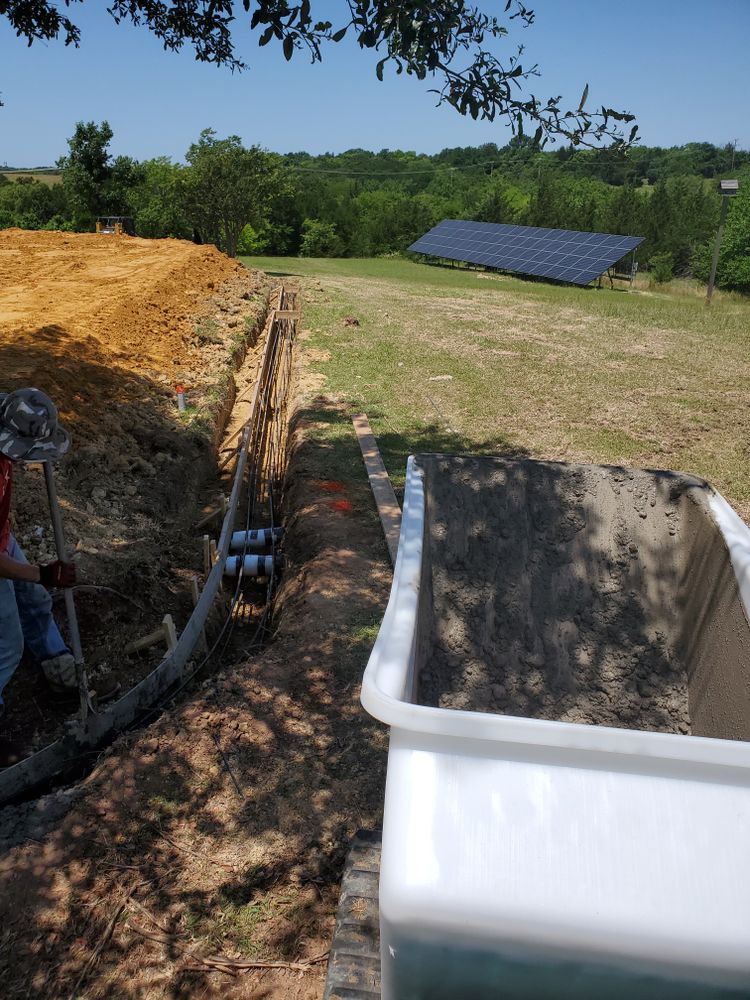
(561, 373)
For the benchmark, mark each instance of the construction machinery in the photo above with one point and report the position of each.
(115, 225)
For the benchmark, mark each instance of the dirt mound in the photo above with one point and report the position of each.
(107, 326)
(85, 317)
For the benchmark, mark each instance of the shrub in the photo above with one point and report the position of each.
(251, 242)
(661, 268)
(320, 239)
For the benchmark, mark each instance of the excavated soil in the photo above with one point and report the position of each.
(95, 320)
(554, 592)
(108, 326)
(221, 828)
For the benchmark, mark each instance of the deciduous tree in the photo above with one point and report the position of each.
(319, 239)
(29, 204)
(734, 259)
(227, 187)
(94, 183)
(85, 171)
(156, 203)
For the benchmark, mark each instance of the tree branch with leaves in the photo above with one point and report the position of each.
(451, 42)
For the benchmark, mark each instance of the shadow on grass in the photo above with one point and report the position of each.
(333, 423)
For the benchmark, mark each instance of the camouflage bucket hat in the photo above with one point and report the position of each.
(29, 431)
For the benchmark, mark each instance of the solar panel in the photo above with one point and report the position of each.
(549, 253)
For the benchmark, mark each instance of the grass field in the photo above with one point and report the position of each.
(449, 359)
(49, 177)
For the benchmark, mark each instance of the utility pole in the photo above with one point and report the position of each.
(728, 190)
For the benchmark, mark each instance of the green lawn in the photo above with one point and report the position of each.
(451, 359)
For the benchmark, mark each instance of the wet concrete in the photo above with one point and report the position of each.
(573, 592)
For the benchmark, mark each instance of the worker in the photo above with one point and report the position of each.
(29, 432)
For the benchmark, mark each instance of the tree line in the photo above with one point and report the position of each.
(361, 203)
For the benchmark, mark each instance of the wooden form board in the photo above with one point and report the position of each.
(385, 498)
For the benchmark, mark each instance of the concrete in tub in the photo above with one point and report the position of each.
(545, 858)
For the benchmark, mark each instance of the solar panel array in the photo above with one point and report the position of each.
(549, 253)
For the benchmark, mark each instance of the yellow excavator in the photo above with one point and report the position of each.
(116, 225)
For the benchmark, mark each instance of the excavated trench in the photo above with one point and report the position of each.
(253, 473)
(118, 602)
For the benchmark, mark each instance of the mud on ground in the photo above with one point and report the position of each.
(107, 326)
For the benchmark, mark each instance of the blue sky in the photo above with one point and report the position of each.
(681, 66)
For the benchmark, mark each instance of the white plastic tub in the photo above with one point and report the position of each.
(533, 858)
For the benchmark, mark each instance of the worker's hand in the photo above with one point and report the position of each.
(57, 574)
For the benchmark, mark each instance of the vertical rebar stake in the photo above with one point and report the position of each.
(70, 608)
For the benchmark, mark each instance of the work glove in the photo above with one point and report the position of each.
(60, 672)
(57, 574)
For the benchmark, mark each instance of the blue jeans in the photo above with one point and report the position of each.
(25, 619)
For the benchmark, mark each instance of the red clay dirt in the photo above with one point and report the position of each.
(79, 313)
(107, 326)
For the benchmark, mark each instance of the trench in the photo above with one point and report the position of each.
(253, 467)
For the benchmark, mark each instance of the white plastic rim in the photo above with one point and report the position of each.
(387, 683)
(737, 537)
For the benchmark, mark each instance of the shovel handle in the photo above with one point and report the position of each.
(70, 608)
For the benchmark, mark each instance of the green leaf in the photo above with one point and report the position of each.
(337, 36)
(288, 47)
(584, 96)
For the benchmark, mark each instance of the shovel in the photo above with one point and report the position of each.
(70, 608)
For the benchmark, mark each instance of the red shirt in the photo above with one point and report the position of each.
(6, 483)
